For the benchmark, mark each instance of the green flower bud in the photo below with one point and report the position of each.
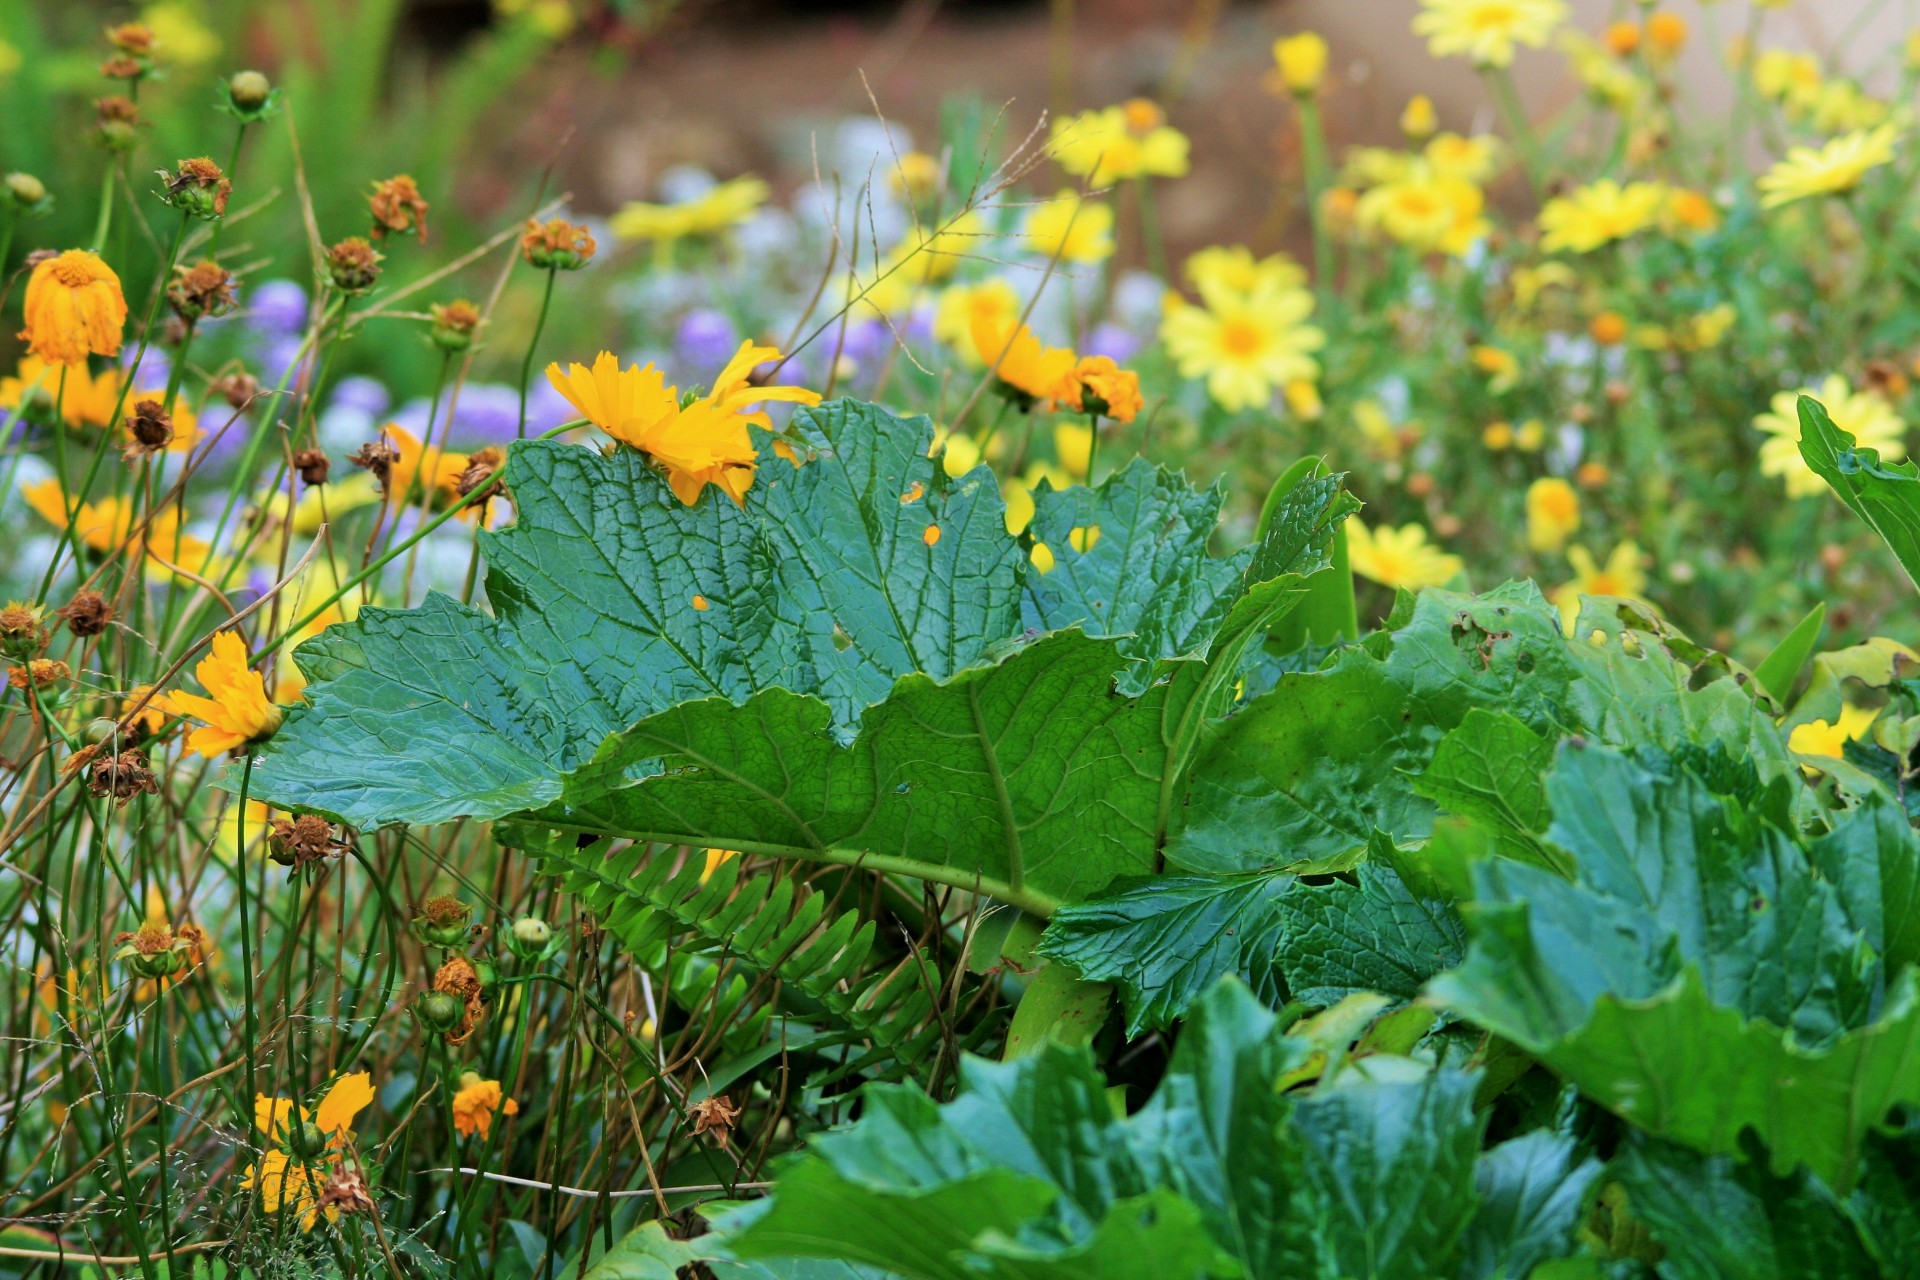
(438, 1012)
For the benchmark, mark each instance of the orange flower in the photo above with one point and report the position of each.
(85, 399)
(1099, 386)
(74, 308)
(476, 1102)
(107, 526)
(307, 1147)
(238, 712)
(1018, 359)
(699, 443)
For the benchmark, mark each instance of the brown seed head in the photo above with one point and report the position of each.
(39, 673)
(87, 614)
(397, 205)
(454, 324)
(123, 67)
(483, 470)
(715, 1115)
(354, 265)
(238, 389)
(313, 465)
(151, 428)
(203, 289)
(345, 1192)
(377, 456)
(557, 244)
(304, 841)
(198, 187)
(122, 777)
(133, 38)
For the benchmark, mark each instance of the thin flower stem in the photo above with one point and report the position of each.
(526, 365)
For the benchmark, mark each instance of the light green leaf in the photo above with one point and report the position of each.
(645, 1253)
(1885, 495)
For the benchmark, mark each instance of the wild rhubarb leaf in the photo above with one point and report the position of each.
(612, 603)
(1706, 972)
(1310, 769)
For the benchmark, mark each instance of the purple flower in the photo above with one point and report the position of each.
(706, 340)
(364, 394)
(1110, 340)
(278, 357)
(278, 306)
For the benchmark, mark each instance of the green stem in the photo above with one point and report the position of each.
(526, 365)
(1507, 99)
(1313, 149)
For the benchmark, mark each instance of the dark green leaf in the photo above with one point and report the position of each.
(1533, 1192)
(1372, 934)
(1885, 495)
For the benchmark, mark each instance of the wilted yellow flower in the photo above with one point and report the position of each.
(1598, 214)
(1244, 345)
(74, 308)
(1865, 415)
(307, 1147)
(1400, 558)
(1074, 229)
(1119, 142)
(1829, 170)
(476, 1103)
(1553, 513)
(1487, 31)
(1302, 62)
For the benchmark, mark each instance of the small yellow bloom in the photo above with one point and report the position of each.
(1497, 436)
(1245, 346)
(1553, 513)
(1819, 738)
(1302, 62)
(1117, 143)
(1832, 169)
(722, 207)
(476, 1103)
(1609, 328)
(953, 318)
(1621, 576)
(74, 308)
(238, 712)
(1501, 366)
(1666, 35)
(1599, 214)
(1419, 120)
(1487, 31)
(1427, 211)
(1234, 269)
(1400, 558)
(1865, 415)
(1071, 228)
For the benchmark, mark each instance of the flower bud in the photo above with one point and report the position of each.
(438, 1012)
(307, 1140)
(1302, 61)
(353, 265)
(529, 937)
(197, 188)
(28, 195)
(454, 325)
(557, 245)
(442, 922)
(249, 94)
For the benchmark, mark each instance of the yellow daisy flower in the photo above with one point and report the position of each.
(1487, 31)
(1553, 513)
(1819, 738)
(1830, 170)
(1400, 558)
(1118, 143)
(1599, 214)
(1245, 346)
(1074, 229)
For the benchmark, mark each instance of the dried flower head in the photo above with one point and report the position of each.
(353, 265)
(123, 67)
(397, 205)
(122, 777)
(151, 429)
(454, 324)
(557, 245)
(482, 475)
(345, 1191)
(201, 290)
(715, 1115)
(459, 979)
(39, 673)
(197, 187)
(23, 633)
(303, 841)
(157, 950)
(132, 38)
(87, 614)
(312, 465)
(238, 389)
(116, 123)
(378, 457)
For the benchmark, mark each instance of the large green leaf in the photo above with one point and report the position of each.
(1164, 940)
(1885, 495)
(1312, 768)
(1705, 974)
(1370, 933)
(1533, 1191)
(1371, 1176)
